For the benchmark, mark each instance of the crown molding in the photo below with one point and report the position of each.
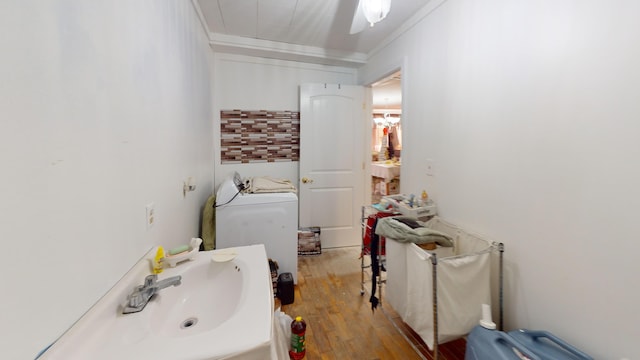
(203, 22)
(425, 11)
(279, 50)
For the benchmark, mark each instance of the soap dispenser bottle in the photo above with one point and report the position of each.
(157, 261)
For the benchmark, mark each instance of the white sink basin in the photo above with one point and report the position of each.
(220, 309)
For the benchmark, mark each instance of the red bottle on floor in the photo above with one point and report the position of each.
(298, 328)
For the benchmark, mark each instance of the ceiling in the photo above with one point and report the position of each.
(315, 31)
(387, 94)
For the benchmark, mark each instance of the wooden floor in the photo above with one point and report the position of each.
(340, 322)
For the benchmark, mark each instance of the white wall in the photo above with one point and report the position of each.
(530, 111)
(252, 83)
(106, 107)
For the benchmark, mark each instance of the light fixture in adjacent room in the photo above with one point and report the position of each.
(375, 10)
(379, 121)
(391, 120)
(387, 120)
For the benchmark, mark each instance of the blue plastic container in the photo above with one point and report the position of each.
(547, 345)
(485, 344)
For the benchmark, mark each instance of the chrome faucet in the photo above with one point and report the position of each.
(140, 296)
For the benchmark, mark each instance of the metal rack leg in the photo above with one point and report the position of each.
(380, 281)
(501, 276)
(363, 225)
(361, 272)
(434, 272)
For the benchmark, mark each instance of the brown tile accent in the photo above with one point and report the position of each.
(250, 136)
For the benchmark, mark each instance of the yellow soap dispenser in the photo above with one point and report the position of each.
(157, 262)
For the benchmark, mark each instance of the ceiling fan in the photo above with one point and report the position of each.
(369, 11)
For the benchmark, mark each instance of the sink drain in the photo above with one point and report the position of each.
(189, 323)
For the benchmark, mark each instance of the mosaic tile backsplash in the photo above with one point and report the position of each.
(248, 136)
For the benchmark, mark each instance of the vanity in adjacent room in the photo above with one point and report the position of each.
(385, 177)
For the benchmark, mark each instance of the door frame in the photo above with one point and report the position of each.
(402, 66)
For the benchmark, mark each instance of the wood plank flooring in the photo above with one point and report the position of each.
(340, 323)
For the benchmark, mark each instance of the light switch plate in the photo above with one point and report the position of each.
(430, 167)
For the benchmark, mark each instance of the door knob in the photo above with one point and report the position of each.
(306, 180)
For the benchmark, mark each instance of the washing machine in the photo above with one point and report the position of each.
(266, 218)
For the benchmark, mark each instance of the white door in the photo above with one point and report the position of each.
(331, 186)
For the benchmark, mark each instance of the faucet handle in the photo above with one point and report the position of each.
(141, 294)
(150, 280)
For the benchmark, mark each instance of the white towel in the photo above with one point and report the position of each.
(267, 184)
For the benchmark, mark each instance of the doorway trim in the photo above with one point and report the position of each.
(394, 66)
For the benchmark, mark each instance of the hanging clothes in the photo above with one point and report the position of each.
(374, 245)
(394, 138)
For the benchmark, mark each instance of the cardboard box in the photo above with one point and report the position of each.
(309, 241)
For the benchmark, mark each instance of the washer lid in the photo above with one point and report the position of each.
(261, 198)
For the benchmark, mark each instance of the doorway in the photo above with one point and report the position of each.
(386, 136)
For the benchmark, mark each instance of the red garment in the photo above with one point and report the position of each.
(369, 231)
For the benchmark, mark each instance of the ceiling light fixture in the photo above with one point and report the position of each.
(375, 10)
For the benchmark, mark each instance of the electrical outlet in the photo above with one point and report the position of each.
(151, 215)
(188, 185)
